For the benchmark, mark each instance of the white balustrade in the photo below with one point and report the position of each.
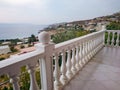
(90, 49)
(108, 38)
(112, 43)
(14, 81)
(33, 83)
(63, 77)
(74, 70)
(69, 64)
(113, 37)
(83, 54)
(73, 55)
(117, 41)
(88, 52)
(57, 83)
(80, 57)
(77, 58)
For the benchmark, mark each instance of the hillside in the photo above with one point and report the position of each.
(91, 24)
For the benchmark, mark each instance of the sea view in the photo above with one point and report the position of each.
(59, 44)
(12, 31)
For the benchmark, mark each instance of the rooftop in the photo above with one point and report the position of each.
(4, 47)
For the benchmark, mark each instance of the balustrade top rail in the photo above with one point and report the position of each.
(76, 41)
(19, 61)
(112, 30)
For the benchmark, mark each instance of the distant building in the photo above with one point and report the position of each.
(69, 25)
(4, 49)
(6, 43)
(113, 19)
(18, 43)
(25, 40)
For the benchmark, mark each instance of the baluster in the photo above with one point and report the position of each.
(103, 38)
(93, 47)
(85, 50)
(96, 45)
(92, 50)
(102, 42)
(90, 53)
(89, 50)
(108, 38)
(68, 64)
(92, 42)
(57, 83)
(63, 77)
(73, 60)
(87, 58)
(14, 81)
(77, 58)
(113, 39)
(84, 53)
(81, 56)
(33, 83)
(99, 42)
(117, 41)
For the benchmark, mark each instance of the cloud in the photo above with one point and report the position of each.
(24, 3)
(51, 11)
(17, 2)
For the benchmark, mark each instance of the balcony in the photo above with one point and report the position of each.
(90, 62)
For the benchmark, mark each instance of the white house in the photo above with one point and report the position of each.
(4, 49)
(6, 43)
(18, 43)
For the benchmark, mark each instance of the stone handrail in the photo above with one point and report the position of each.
(12, 67)
(58, 63)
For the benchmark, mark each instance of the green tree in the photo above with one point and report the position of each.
(32, 39)
(113, 26)
(5, 88)
(67, 35)
(13, 49)
(22, 46)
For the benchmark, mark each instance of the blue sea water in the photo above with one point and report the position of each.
(12, 31)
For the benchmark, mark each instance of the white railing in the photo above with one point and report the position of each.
(78, 52)
(112, 37)
(58, 63)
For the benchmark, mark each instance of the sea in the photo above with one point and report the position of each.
(13, 31)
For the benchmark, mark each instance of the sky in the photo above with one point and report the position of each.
(44, 12)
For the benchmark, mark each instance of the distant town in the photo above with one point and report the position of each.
(13, 47)
(89, 25)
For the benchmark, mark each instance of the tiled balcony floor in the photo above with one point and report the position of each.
(101, 73)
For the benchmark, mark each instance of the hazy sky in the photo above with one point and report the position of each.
(54, 11)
